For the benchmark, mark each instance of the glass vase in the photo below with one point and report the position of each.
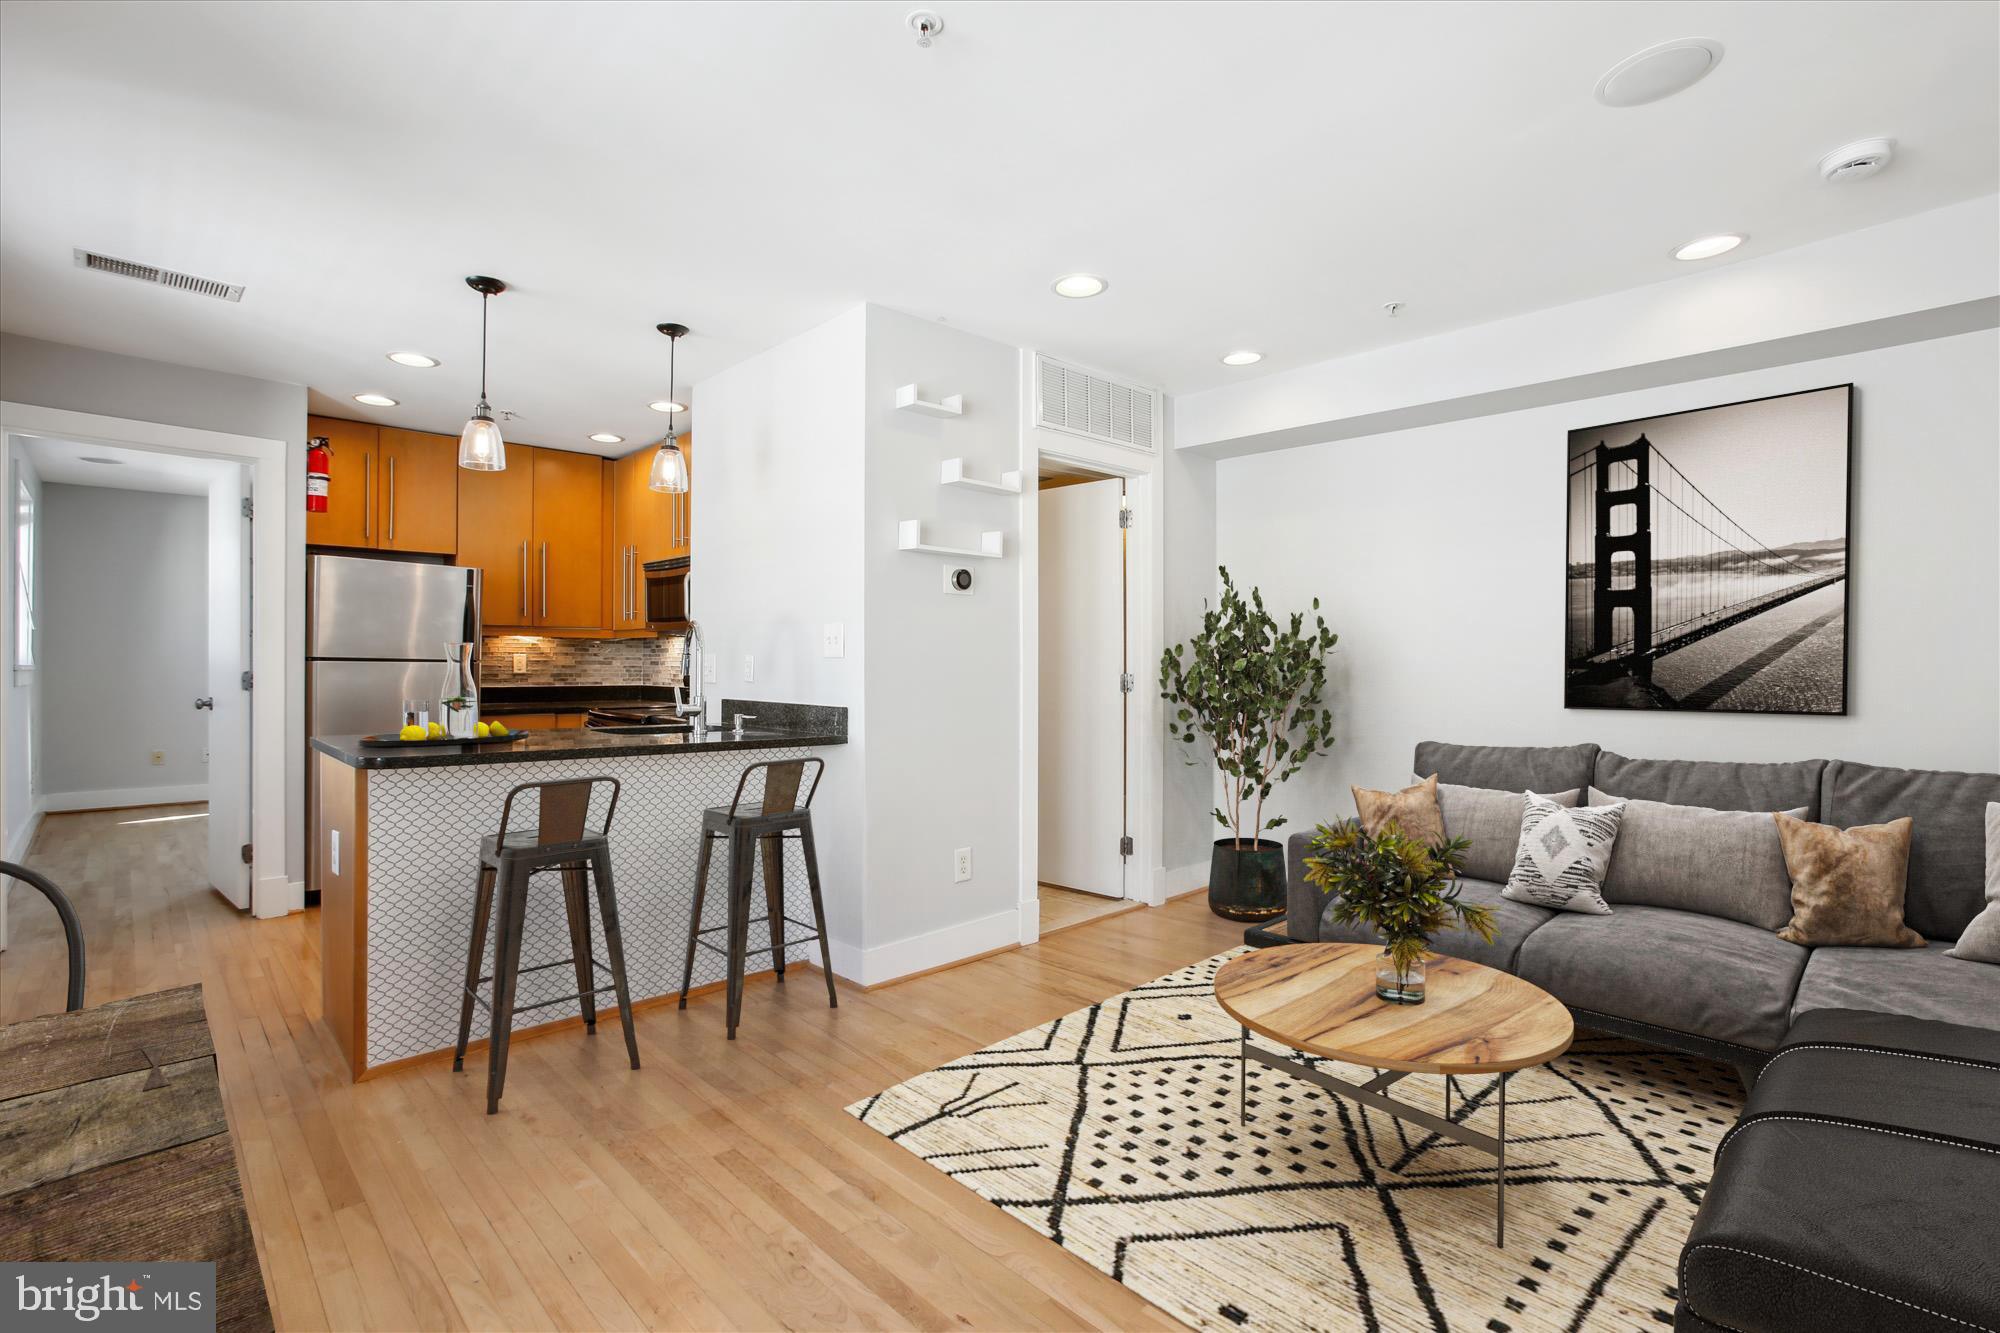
(458, 695)
(1399, 985)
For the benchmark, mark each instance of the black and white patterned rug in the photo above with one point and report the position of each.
(1114, 1131)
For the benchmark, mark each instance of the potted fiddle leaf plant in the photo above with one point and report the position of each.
(1248, 690)
(1403, 887)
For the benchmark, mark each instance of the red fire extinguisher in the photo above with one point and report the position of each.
(319, 466)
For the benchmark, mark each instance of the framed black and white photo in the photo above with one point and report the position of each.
(1707, 559)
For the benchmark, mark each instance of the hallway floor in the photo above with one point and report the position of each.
(719, 1186)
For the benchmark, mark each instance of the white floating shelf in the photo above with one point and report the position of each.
(910, 537)
(952, 473)
(910, 399)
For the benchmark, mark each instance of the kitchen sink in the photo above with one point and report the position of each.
(647, 729)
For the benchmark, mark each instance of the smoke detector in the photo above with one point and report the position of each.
(1858, 160)
(925, 24)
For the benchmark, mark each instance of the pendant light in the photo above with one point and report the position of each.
(480, 448)
(670, 468)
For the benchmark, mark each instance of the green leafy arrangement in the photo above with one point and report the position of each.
(1404, 888)
(1250, 690)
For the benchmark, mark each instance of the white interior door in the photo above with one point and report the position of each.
(1082, 723)
(228, 658)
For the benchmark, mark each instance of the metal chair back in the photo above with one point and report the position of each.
(562, 810)
(72, 928)
(783, 780)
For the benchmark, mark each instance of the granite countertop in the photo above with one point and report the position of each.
(790, 725)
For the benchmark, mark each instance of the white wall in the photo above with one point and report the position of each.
(1188, 576)
(124, 647)
(778, 496)
(944, 712)
(1437, 551)
(80, 379)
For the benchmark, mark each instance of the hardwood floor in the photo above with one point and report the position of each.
(721, 1186)
(1063, 908)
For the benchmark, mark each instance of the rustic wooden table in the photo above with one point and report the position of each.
(114, 1146)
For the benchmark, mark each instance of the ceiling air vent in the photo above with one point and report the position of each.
(1077, 402)
(162, 277)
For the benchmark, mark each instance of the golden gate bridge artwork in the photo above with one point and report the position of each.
(1707, 565)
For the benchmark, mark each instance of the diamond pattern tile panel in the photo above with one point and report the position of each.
(424, 827)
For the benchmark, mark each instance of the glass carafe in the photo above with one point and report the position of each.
(458, 696)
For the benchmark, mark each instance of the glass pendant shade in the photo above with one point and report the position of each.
(670, 469)
(480, 448)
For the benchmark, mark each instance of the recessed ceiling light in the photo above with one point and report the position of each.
(417, 359)
(1076, 286)
(1243, 358)
(107, 462)
(667, 405)
(606, 437)
(1659, 71)
(1708, 247)
(375, 399)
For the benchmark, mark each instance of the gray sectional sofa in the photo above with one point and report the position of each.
(1706, 983)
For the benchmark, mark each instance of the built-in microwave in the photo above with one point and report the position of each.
(667, 604)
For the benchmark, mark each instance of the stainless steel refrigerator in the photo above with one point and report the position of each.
(376, 632)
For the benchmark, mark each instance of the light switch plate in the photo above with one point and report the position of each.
(749, 666)
(710, 670)
(961, 865)
(833, 639)
(520, 664)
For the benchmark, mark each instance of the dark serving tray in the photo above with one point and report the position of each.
(390, 740)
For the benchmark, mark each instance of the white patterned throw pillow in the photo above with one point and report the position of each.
(1563, 855)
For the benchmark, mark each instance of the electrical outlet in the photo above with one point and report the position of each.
(520, 664)
(711, 668)
(159, 758)
(749, 666)
(961, 865)
(833, 639)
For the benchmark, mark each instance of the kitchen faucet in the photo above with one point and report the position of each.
(696, 708)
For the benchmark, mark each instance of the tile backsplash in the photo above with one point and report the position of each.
(581, 661)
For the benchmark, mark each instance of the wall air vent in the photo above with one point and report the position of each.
(1077, 402)
(161, 277)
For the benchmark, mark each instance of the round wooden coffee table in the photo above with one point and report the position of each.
(1320, 999)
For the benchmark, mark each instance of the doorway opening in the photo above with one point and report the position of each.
(130, 639)
(1085, 693)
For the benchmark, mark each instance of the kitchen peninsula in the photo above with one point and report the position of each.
(396, 834)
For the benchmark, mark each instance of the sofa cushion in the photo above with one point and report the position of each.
(1857, 1190)
(1727, 863)
(1563, 855)
(1512, 923)
(1508, 767)
(1414, 810)
(1921, 983)
(1948, 845)
(1847, 884)
(1717, 786)
(1683, 971)
(1491, 821)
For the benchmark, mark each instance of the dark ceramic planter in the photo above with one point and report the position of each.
(1247, 884)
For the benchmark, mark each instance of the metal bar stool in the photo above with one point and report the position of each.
(563, 841)
(780, 813)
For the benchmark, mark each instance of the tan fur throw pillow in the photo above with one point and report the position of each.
(1414, 809)
(1847, 884)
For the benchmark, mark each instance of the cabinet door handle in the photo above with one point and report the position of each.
(545, 581)
(392, 497)
(524, 580)
(367, 497)
(629, 557)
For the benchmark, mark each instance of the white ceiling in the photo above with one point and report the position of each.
(1261, 175)
(65, 463)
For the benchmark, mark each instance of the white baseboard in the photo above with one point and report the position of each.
(920, 953)
(17, 846)
(1184, 879)
(117, 798)
(1031, 920)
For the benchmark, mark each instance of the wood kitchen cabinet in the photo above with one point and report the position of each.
(496, 535)
(416, 492)
(642, 525)
(679, 538)
(568, 547)
(350, 518)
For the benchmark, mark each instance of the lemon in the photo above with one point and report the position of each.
(437, 730)
(481, 730)
(412, 732)
(496, 729)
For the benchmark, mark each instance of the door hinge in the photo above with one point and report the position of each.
(1124, 518)
(249, 509)
(249, 680)
(1127, 682)
(246, 853)
(1125, 845)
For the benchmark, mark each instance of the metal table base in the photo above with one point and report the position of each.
(1373, 1093)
